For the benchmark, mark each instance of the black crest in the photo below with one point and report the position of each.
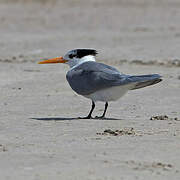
(85, 52)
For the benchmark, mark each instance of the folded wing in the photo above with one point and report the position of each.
(90, 77)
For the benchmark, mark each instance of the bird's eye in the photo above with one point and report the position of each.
(71, 56)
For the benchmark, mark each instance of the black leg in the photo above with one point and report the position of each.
(106, 106)
(105, 109)
(89, 115)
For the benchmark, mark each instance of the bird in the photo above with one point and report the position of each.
(97, 81)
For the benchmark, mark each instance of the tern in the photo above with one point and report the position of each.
(98, 81)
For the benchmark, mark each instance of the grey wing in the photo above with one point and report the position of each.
(91, 76)
(86, 80)
(144, 80)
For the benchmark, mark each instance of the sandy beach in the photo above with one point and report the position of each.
(41, 137)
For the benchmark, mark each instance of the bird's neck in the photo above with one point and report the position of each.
(77, 62)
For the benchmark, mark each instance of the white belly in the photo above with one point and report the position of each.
(109, 94)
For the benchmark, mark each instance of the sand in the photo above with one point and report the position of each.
(40, 134)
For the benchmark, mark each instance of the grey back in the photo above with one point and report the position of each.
(92, 76)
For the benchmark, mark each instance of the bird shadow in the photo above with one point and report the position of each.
(54, 119)
(106, 119)
(69, 119)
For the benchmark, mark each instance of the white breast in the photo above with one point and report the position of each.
(109, 94)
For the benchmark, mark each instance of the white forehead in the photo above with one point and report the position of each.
(77, 61)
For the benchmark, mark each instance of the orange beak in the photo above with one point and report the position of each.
(53, 60)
